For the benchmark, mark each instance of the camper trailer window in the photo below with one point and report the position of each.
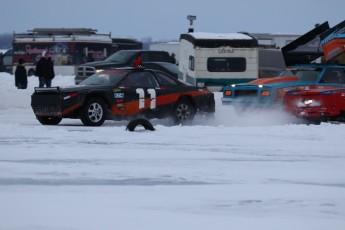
(191, 63)
(232, 64)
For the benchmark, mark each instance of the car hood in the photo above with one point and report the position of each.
(323, 90)
(265, 81)
(274, 83)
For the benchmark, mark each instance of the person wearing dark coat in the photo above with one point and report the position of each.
(173, 59)
(20, 75)
(45, 70)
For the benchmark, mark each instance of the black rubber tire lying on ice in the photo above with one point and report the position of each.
(140, 121)
(49, 120)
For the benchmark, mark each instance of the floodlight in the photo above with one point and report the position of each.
(191, 18)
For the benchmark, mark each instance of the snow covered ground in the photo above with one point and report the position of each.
(252, 171)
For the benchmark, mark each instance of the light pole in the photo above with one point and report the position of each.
(191, 18)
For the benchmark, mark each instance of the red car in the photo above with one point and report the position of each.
(316, 105)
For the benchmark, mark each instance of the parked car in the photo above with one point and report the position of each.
(317, 105)
(268, 92)
(122, 93)
(122, 58)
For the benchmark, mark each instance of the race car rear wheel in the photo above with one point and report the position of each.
(49, 120)
(93, 112)
(183, 112)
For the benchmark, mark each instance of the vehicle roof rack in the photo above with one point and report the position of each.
(62, 31)
(61, 34)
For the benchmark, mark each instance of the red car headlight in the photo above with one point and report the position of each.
(306, 102)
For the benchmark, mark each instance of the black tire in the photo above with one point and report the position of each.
(140, 121)
(315, 121)
(93, 113)
(49, 120)
(183, 112)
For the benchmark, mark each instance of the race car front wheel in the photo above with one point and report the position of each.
(93, 112)
(183, 112)
(49, 120)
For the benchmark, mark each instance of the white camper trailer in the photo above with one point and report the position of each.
(216, 60)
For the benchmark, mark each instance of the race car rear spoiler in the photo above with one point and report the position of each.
(51, 89)
(306, 48)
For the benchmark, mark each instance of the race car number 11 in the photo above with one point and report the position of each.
(151, 92)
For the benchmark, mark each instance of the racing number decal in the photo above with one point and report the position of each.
(141, 93)
(151, 92)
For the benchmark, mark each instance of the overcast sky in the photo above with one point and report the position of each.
(166, 20)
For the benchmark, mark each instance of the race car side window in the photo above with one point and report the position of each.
(309, 76)
(342, 76)
(164, 80)
(139, 79)
(333, 76)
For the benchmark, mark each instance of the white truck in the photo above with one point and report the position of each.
(215, 60)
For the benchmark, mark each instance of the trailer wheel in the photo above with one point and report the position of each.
(93, 113)
(49, 120)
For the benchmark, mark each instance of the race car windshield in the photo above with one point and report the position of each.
(308, 75)
(105, 78)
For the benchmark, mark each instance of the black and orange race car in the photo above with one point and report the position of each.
(120, 94)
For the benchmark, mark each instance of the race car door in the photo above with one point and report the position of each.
(139, 93)
(168, 93)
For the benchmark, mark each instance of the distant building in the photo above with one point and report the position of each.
(274, 40)
(67, 47)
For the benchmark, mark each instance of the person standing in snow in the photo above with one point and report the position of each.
(173, 59)
(45, 70)
(20, 75)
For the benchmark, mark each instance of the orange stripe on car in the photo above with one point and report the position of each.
(263, 81)
(70, 109)
(132, 108)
